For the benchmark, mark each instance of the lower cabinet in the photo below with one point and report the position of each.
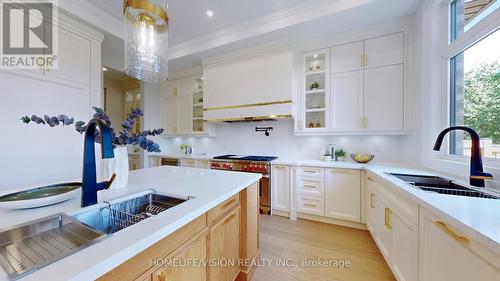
(225, 247)
(395, 234)
(312, 205)
(448, 254)
(343, 194)
(180, 270)
(280, 187)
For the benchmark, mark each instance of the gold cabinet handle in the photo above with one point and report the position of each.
(365, 122)
(310, 205)
(366, 60)
(310, 186)
(368, 178)
(228, 204)
(460, 238)
(309, 171)
(229, 219)
(372, 200)
(362, 60)
(388, 218)
(161, 276)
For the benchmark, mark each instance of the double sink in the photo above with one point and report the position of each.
(440, 185)
(33, 245)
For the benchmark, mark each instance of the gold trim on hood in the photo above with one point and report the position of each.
(249, 119)
(247, 105)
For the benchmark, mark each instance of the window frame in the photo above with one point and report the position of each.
(452, 48)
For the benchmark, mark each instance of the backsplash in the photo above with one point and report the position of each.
(241, 138)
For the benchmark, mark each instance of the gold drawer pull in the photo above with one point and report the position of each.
(228, 204)
(311, 186)
(368, 178)
(309, 171)
(229, 219)
(445, 228)
(310, 205)
(389, 218)
(372, 200)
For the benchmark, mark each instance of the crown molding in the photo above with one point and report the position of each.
(308, 11)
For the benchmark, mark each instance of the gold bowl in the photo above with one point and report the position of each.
(362, 158)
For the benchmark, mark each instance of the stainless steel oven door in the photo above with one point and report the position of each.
(265, 195)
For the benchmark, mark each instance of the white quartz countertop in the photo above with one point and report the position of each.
(478, 218)
(208, 187)
(182, 156)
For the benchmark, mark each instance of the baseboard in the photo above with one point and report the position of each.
(280, 213)
(350, 224)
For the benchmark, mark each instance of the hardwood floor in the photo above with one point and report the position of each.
(284, 239)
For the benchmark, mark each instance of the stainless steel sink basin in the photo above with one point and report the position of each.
(30, 246)
(442, 186)
(120, 214)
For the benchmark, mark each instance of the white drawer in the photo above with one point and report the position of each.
(312, 172)
(312, 205)
(312, 186)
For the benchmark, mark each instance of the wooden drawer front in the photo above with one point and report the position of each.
(204, 164)
(188, 163)
(312, 205)
(312, 172)
(312, 186)
(215, 214)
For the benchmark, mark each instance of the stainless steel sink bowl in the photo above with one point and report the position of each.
(33, 245)
(442, 186)
(121, 214)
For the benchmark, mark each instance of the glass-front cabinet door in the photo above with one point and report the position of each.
(198, 124)
(315, 91)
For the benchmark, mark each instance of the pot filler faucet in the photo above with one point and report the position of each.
(477, 176)
(90, 186)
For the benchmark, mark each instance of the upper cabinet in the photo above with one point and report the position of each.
(183, 101)
(315, 90)
(361, 91)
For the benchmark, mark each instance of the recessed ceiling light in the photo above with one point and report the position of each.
(210, 13)
(104, 69)
(315, 56)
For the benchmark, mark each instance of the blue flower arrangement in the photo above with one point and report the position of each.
(125, 137)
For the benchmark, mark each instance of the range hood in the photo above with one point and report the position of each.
(249, 89)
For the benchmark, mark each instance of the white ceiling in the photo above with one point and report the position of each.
(241, 23)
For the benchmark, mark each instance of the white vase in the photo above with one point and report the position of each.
(117, 165)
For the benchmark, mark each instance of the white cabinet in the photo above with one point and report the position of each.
(384, 50)
(391, 222)
(202, 164)
(312, 205)
(347, 102)
(347, 57)
(383, 99)
(448, 254)
(364, 93)
(280, 188)
(315, 91)
(188, 163)
(183, 107)
(343, 194)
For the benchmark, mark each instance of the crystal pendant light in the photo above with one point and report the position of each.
(146, 39)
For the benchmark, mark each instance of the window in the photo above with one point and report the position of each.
(475, 96)
(464, 14)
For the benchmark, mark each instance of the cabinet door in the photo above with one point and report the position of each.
(197, 252)
(347, 57)
(384, 50)
(225, 246)
(280, 185)
(404, 256)
(185, 114)
(171, 117)
(383, 99)
(342, 194)
(73, 58)
(310, 204)
(347, 102)
(185, 86)
(383, 236)
(371, 216)
(171, 88)
(446, 254)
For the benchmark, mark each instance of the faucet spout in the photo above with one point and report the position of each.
(477, 175)
(90, 186)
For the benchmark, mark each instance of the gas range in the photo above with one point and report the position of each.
(252, 164)
(243, 163)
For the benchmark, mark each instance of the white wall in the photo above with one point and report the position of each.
(241, 138)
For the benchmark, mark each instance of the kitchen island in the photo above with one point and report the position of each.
(201, 225)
